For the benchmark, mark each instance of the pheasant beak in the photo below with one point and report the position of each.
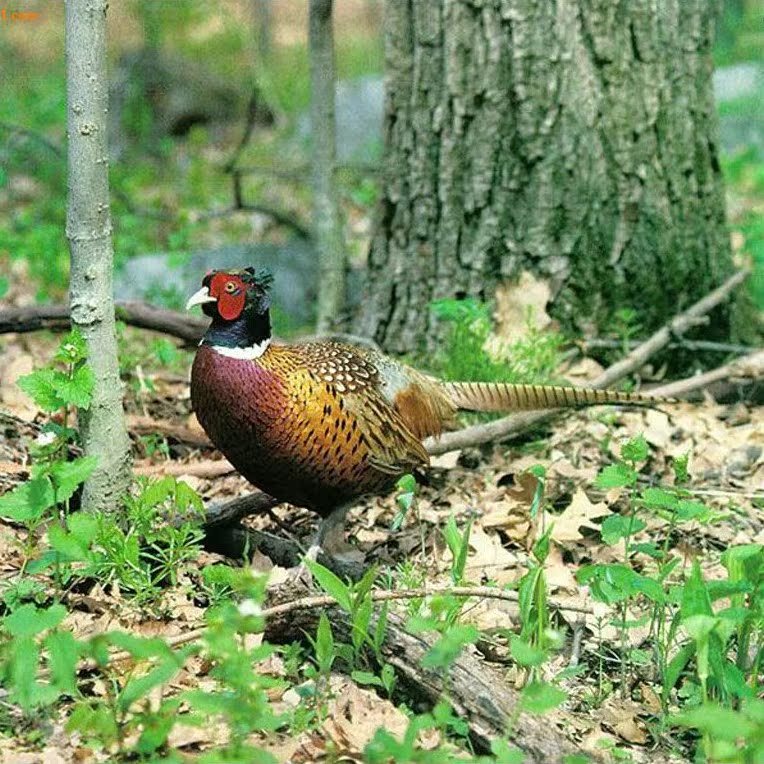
(200, 298)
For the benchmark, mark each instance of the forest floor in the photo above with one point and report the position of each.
(490, 489)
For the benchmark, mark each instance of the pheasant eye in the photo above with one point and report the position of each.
(230, 287)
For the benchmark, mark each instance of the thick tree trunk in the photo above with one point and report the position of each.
(327, 224)
(88, 228)
(574, 139)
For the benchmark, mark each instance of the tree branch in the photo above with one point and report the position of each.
(56, 318)
(515, 423)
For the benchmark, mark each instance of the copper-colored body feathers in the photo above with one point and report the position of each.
(321, 424)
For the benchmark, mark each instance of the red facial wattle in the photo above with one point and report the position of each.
(230, 304)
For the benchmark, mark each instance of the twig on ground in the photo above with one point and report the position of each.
(142, 425)
(515, 423)
(174, 323)
(223, 513)
(748, 367)
(208, 468)
(702, 345)
(321, 601)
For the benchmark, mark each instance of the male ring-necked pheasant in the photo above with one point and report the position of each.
(321, 424)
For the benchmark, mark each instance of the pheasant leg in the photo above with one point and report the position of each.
(331, 528)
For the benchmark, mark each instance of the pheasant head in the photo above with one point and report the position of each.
(238, 302)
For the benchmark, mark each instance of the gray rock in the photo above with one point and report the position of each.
(169, 278)
(359, 109)
(739, 91)
(738, 81)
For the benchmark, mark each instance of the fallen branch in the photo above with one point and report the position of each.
(511, 425)
(474, 689)
(145, 425)
(321, 601)
(208, 468)
(476, 692)
(223, 513)
(56, 318)
(750, 367)
(694, 345)
(174, 323)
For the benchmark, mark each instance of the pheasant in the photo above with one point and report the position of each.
(321, 424)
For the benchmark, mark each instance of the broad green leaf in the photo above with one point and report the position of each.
(676, 666)
(76, 390)
(94, 722)
(504, 753)
(722, 723)
(63, 654)
(695, 598)
(617, 527)
(680, 466)
(616, 476)
(688, 511)
(24, 663)
(366, 677)
(137, 689)
(541, 547)
(525, 654)
(540, 697)
(659, 498)
(445, 651)
(29, 501)
(29, 620)
(139, 647)
(451, 535)
(72, 349)
(331, 584)
(41, 388)
(67, 546)
(635, 450)
(324, 645)
(67, 476)
(615, 583)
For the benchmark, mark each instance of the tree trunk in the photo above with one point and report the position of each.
(263, 16)
(88, 229)
(573, 139)
(327, 224)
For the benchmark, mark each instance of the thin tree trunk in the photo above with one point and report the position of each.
(326, 216)
(88, 229)
(572, 139)
(263, 16)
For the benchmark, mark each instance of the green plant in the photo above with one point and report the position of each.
(463, 355)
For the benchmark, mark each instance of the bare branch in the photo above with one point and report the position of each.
(515, 423)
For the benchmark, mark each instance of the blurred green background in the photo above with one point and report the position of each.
(172, 194)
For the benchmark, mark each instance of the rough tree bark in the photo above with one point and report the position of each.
(574, 139)
(327, 224)
(88, 229)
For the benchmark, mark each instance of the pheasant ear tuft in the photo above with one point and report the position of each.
(264, 278)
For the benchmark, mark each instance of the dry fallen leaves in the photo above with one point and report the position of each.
(580, 513)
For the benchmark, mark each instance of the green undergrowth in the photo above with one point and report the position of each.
(465, 355)
(703, 653)
(745, 177)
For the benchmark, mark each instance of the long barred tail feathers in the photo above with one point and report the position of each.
(502, 396)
